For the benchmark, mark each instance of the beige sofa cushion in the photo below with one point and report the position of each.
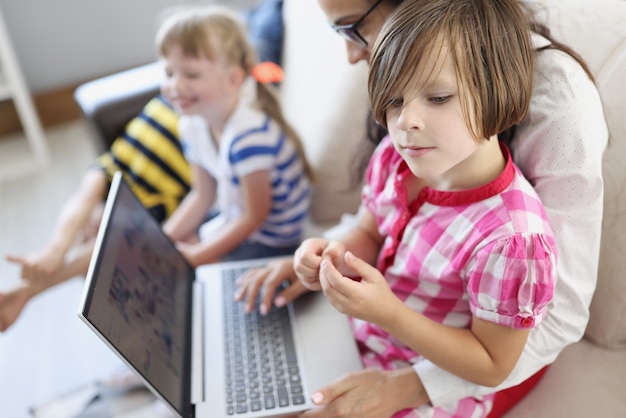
(325, 98)
(596, 29)
(607, 324)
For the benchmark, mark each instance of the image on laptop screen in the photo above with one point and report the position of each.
(140, 300)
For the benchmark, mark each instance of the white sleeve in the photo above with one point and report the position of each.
(197, 145)
(559, 148)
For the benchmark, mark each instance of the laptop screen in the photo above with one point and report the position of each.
(138, 296)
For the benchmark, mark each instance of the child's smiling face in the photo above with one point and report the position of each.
(197, 85)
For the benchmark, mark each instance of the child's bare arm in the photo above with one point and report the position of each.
(256, 207)
(194, 208)
(484, 354)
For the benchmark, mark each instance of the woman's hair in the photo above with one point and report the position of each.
(215, 32)
(488, 42)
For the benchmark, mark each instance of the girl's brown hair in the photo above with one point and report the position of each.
(216, 33)
(488, 42)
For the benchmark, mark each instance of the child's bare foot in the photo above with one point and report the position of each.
(12, 303)
(38, 266)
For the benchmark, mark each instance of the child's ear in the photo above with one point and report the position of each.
(236, 76)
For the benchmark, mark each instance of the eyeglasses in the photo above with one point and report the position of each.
(350, 32)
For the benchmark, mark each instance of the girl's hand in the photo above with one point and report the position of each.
(369, 393)
(306, 262)
(369, 299)
(266, 280)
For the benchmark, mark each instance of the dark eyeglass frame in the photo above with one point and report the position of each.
(350, 31)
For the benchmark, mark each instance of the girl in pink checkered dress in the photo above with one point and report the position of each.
(453, 259)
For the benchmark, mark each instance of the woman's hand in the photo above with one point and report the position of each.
(369, 393)
(369, 299)
(266, 280)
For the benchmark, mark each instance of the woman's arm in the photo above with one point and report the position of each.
(257, 203)
(195, 207)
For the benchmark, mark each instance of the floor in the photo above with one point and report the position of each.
(49, 351)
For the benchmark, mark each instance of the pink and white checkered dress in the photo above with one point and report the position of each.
(488, 252)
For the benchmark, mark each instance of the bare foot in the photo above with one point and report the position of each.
(12, 302)
(38, 266)
(11, 305)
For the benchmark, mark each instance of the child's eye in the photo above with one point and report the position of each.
(439, 99)
(396, 102)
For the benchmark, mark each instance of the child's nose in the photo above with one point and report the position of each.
(410, 116)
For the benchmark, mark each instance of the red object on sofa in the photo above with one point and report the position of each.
(508, 398)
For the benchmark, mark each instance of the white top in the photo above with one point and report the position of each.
(559, 148)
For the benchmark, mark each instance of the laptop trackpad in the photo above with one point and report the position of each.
(324, 340)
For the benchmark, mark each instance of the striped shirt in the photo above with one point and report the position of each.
(150, 156)
(487, 252)
(251, 141)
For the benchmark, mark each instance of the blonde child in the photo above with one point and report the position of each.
(149, 154)
(245, 159)
(465, 260)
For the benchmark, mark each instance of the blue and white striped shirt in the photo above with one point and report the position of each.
(252, 141)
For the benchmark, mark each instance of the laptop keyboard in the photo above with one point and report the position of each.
(261, 368)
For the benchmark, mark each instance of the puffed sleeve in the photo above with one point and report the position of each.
(511, 280)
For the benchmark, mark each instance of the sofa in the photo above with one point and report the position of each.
(325, 99)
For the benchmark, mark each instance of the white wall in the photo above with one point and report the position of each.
(59, 43)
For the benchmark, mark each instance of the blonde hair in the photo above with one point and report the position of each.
(488, 42)
(217, 33)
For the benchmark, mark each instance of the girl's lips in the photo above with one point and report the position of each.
(415, 152)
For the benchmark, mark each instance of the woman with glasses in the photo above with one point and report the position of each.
(559, 148)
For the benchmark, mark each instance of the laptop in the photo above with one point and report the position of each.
(182, 333)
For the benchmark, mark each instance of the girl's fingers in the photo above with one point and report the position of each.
(362, 268)
(333, 281)
(334, 251)
(327, 274)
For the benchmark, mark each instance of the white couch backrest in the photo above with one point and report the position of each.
(318, 87)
